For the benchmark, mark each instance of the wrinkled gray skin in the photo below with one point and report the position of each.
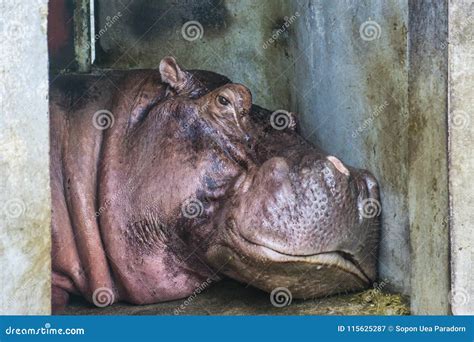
(186, 186)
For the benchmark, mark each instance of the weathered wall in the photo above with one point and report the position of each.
(24, 170)
(351, 90)
(223, 36)
(427, 181)
(461, 133)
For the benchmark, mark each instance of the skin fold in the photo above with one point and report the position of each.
(164, 178)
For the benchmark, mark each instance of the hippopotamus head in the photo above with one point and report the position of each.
(277, 210)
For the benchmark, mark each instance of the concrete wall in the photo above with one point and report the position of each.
(24, 160)
(229, 37)
(427, 163)
(351, 89)
(461, 133)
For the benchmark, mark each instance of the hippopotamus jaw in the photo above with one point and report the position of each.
(337, 258)
(305, 277)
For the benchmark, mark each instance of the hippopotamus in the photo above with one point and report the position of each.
(164, 179)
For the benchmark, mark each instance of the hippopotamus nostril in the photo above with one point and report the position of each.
(338, 165)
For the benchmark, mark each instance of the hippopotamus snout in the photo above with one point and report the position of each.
(311, 217)
(303, 208)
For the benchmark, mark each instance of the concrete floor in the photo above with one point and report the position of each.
(231, 298)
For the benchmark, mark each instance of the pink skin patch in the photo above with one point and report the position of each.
(338, 164)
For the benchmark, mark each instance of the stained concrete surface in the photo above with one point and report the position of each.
(231, 298)
(24, 160)
(461, 132)
(227, 37)
(428, 157)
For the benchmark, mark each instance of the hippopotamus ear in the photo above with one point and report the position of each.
(172, 74)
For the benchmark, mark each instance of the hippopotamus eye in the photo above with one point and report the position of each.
(223, 101)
